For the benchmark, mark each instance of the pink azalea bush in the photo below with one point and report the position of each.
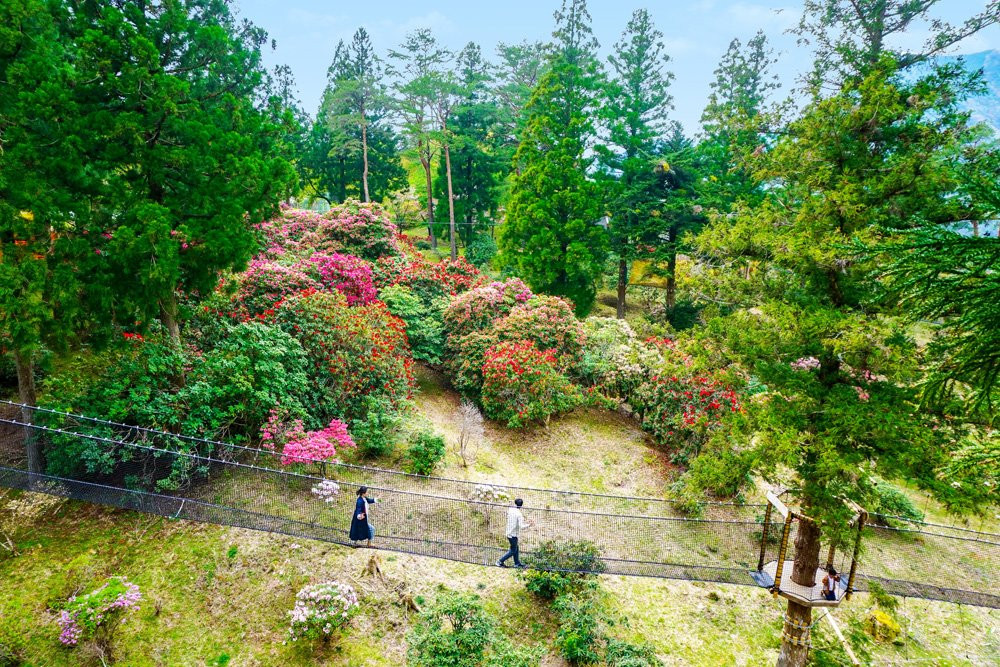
(478, 308)
(320, 609)
(298, 445)
(264, 283)
(347, 274)
(98, 613)
(363, 230)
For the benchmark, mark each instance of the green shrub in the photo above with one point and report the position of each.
(620, 653)
(579, 637)
(890, 501)
(454, 631)
(424, 322)
(425, 452)
(557, 567)
(373, 434)
(481, 251)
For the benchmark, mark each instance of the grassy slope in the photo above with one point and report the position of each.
(214, 592)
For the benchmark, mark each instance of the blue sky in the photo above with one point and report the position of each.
(696, 32)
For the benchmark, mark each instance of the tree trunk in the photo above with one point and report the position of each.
(25, 363)
(975, 228)
(425, 160)
(168, 315)
(672, 270)
(622, 284)
(364, 157)
(451, 203)
(804, 573)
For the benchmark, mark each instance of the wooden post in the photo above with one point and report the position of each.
(780, 565)
(763, 537)
(862, 516)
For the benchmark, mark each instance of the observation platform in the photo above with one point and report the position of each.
(804, 595)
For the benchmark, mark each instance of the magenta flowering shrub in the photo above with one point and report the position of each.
(478, 308)
(97, 614)
(265, 283)
(347, 274)
(297, 445)
(363, 230)
(320, 609)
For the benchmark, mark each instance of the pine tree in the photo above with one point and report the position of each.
(841, 405)
(636, 112)
(415, 66)
(476, 167)
(735, 123)
(551, 236)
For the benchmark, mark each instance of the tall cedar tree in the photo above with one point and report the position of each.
(415, 66)
(187, 136)
(520, 68)
(636, 112)
(43, 184)
(445, 95)
(354, 104)
(475, 166)
(869, 158)
(551, 236)
(331, 161)
(735, 123)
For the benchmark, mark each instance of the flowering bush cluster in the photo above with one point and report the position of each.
(549, 322)
(478, 308)
(353, 353)
(487, 493)
(327, 490)
(346, 274)
(264, 283)
(358, 229)
(320, 609)
(301, 446)
(522, 384)
(683, 408)
(428, 279)
(97, 614)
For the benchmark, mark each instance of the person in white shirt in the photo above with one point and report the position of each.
(515, 524)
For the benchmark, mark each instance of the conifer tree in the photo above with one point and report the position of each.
(840, 405)
(636, 112)
(415, 65)
(735, 123)
(551, 236)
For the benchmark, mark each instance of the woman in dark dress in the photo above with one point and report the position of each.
(361, 527)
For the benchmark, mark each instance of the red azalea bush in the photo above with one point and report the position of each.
(522, 384)
(264, 283)
(355, 353)
(427, 279)
(550, 323)
(347, 274)
(465, 358)
(683, 408)
(478, 308)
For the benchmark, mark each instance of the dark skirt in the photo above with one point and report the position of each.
(360, 529)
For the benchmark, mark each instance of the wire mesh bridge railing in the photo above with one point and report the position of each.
(191, 478)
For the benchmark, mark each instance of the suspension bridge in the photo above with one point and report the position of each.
(184, 477)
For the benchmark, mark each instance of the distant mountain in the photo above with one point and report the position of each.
(985, 108)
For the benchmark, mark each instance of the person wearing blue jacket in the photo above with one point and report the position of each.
(361, 526)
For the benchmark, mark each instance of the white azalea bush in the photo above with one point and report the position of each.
(320, 609)
(486, 493)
